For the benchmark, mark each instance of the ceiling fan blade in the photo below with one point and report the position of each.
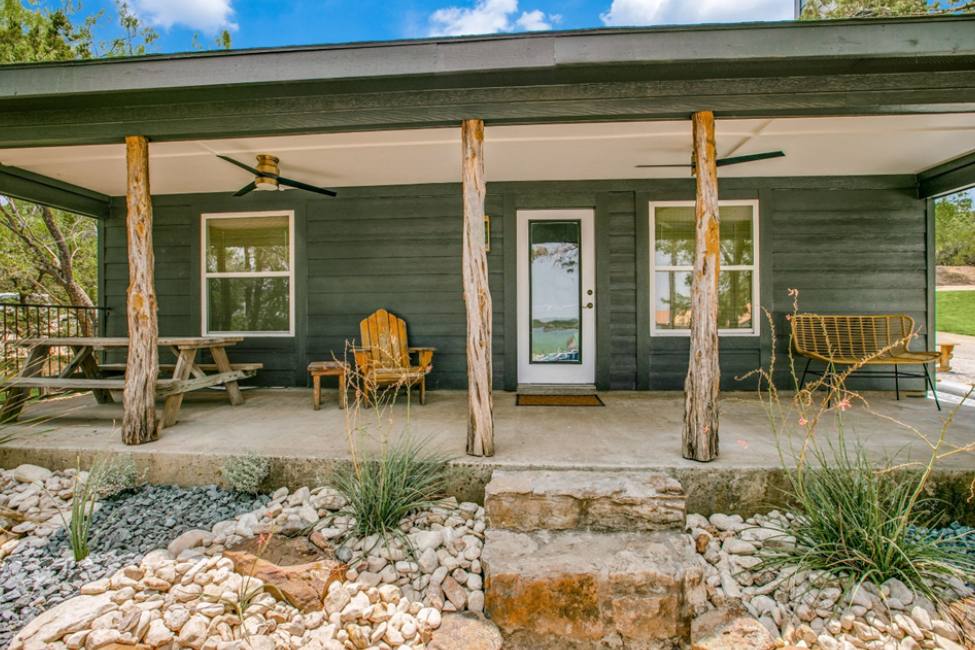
(305, 186)
(250, 187)
(668, 165)
(734, 160)
(241, 165)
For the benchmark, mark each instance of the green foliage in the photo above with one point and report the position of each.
(381, 489)
(955, 230)
(31, 261)
(817, 9)
(956, 312)
(29, 34)
(856, 522)
(245, 473)
(117, 475)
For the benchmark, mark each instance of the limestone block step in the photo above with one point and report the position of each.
(582, 590)
(527, 500)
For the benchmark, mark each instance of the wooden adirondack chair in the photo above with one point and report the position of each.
(384, 358)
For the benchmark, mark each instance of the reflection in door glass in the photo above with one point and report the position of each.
(556, 312)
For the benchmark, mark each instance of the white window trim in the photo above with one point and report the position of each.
(205, 275)
(754, 268)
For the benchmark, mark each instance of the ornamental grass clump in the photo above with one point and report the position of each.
(84, 499)
(382, 489)
(391, 474)
(857, 520)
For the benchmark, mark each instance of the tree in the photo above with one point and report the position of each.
(817, 9)
(46, 254)
(955, 229)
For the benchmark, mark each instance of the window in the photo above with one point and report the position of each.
(248, 273)
(672, 264)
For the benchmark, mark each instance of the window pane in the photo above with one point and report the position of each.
(736, 235)
(247, 244)
(672, 300)
(735, 300)
(248, 304)
(674, 235)
(555, 291)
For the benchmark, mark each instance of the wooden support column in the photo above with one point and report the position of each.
(477, 295)
(142, 366)
(701, 389)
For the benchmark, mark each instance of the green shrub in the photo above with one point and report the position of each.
(118, 474)
(245, 473)
(404, 477)
(856, 522)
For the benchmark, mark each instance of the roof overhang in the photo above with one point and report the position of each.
(860, 67)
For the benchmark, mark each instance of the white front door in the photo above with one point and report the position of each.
(556, 297)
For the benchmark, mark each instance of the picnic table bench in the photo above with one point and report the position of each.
(84, 373)
(862, 340)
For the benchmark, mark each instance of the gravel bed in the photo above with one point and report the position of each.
(41, 573)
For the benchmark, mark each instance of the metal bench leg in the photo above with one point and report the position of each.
(897, 382)
(802, 382)
(934, 391)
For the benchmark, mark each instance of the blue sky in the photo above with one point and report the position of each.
(257, 23)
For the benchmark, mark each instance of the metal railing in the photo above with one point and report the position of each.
(28, 320)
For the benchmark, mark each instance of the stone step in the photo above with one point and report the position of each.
(582, 589)
(527, 500)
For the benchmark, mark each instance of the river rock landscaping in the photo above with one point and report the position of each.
(810, 609)
(167, 570)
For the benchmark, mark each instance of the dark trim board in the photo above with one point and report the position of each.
(26, 185)
(952, 176)
(849, 244)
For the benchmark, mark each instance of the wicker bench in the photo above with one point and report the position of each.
(867, 340)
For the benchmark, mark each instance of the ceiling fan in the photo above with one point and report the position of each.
(267, 177)
(733, 160)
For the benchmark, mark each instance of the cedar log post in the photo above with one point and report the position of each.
(701, 389)
(142, 365)
(477, 295)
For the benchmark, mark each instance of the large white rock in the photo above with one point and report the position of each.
(67, 617)
(189, 539)
(27, 473)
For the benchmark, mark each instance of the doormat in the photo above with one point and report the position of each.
(558, 400)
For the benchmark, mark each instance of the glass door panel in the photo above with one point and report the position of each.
(556, 291)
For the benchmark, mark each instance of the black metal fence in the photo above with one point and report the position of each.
(25, 320)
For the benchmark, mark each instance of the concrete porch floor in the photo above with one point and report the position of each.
(635, 430)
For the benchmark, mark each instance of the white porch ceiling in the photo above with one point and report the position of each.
(813, 147)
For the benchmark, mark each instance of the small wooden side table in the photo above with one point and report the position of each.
(947, 351)
(319, 369)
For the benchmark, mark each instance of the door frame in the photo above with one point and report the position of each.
(585, 372)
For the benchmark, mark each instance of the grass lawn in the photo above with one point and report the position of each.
(956, 312)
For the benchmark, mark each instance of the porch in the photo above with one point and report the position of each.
(635, 430)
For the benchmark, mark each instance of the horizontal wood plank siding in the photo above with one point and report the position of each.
(848, 244)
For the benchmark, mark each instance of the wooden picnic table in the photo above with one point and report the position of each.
(84, 372)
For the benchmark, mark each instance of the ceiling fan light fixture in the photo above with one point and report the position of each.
(265, 184)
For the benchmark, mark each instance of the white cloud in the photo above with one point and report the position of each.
(487, 17)
(663, 12)
(533, 21)
(205, 15)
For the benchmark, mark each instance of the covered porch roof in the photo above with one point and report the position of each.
(820, 146)
(852, 97)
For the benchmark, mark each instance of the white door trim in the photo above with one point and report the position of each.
(555, 373)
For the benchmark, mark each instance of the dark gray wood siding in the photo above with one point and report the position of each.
(847, 244)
